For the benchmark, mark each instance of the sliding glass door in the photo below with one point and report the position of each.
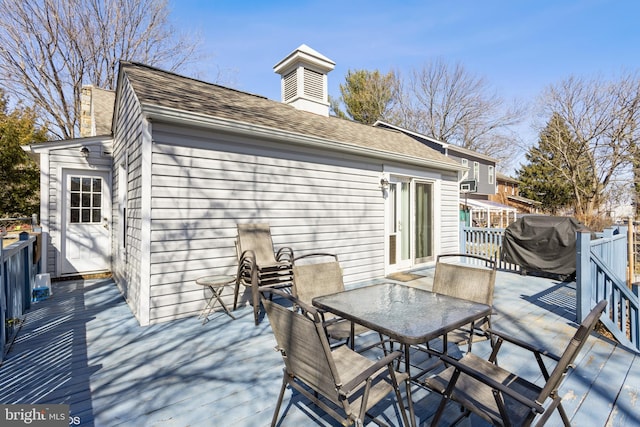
(424, 222)
(409, 222)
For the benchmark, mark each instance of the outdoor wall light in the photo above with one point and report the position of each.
(384, 184)
(85, 152)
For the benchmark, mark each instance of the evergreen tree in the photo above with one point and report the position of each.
(367, 95)
(542, 178)
(19, 174)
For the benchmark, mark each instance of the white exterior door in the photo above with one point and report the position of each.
(85, 219)
(399, 224)
(410, 237)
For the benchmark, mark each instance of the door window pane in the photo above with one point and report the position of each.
(85, 199)
(75, 183)
(405, 221)
(424, 222)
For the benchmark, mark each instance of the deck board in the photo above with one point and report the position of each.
(83, 347)
(625, 410)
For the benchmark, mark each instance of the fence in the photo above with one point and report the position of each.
(18, 224)
(601, 274)
(17, 277)
(601, 269)
(486, 242)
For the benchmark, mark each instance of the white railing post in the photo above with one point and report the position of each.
(463, 238)
(630, 254)
(583, 276)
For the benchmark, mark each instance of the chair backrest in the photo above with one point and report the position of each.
(256, 238)
(312, 280)
(572, 351)
(302, 341)
(468, 281)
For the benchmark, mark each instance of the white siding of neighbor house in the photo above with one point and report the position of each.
(57, 160)
(127, 151)
(203, 184)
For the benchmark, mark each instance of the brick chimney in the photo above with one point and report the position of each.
(304, 80)
(96, 111)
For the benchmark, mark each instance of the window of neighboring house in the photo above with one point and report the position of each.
(465, 163)
(490, 174)
(476, 171)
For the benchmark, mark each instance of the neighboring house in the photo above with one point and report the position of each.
(477, 181)
(509, 194)
(477, 167)
(188, 160)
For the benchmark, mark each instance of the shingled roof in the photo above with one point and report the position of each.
(155, 87)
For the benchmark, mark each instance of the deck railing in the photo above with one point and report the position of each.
(601, 274)
(486, 242)
(17, 277)
(601, 268)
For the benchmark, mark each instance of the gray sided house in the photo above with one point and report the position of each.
(478, 181)
(189, 160)
(478, 167)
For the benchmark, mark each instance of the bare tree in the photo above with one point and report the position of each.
(602, 117)
(50, 48)
(448, 103)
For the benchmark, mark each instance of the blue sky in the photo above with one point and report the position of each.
(519, 46)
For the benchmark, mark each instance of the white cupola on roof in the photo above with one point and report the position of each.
(304, 80)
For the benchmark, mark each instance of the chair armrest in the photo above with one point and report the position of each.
(284, 254)
(247, 256)
(468, 370)
(316, 254)
(523, 344)
(331, 321)
(364, 375)
(247, 261)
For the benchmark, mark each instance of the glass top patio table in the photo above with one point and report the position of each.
(406, 314)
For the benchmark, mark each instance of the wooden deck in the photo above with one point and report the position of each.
(84, 348)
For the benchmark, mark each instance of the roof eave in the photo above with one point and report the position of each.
(171, 115)
(444, 145)
(40, 147)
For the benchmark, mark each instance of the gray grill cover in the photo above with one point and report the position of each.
(542, 243)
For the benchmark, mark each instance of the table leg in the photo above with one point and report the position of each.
(407, 364)
(206, 311)
(407, 367)
(211, 303)
(224, 306)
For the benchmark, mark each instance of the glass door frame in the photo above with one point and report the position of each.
(401, 223)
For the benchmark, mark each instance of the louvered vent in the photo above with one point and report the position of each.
(303, 80)
(290, 85)
(313, 84)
